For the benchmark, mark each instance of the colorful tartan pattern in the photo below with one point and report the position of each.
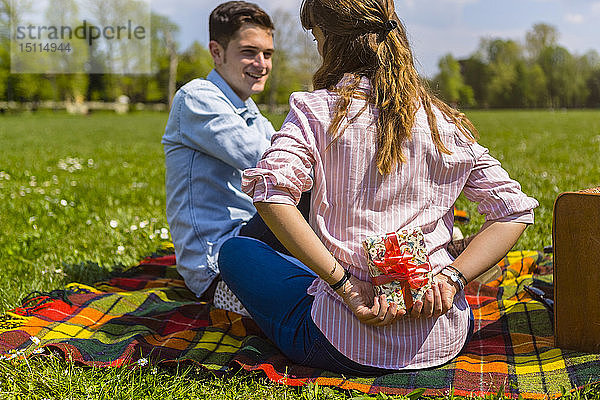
(149, 313)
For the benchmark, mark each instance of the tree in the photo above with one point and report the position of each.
(21, 87)
(4, 48)
(560, 69)
(31, 87)
(164, 53)
(583, 69)
(194, 62)
(593, 83)
(16, 87)
(540, 37)
(592, 59)
(294, 61)
(307, 59)
(503, 57)
(476, 75)
(532, 86)
(72, 87)
(499, 51)
(282, 76)
(451, 84)
(449, 79)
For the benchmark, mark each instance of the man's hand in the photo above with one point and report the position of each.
(437, 300)
(368, 308)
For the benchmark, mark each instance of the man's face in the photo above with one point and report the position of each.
(246, 62)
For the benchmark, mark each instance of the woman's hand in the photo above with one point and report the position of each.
(488, 247)
(437, 300)
(368, 308)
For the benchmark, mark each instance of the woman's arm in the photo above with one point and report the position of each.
(488, 247)
(501, 200)
(292, 230)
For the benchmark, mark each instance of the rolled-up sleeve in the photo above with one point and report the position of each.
(284, 172)
(500, 198)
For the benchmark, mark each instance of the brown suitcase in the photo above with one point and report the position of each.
(576, 243)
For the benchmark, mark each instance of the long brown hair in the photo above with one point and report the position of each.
(366, 38)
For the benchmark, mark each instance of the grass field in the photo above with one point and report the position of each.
(81, 195)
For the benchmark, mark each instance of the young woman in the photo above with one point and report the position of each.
(379, 154)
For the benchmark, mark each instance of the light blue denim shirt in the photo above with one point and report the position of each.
(210, 138)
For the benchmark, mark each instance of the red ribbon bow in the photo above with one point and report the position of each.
(399, 265)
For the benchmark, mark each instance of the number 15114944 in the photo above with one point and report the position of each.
(29, 47)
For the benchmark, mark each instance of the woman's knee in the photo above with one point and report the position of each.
(228, 257)
(232, 256)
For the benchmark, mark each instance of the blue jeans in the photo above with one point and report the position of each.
(256, 227)
(272, 286)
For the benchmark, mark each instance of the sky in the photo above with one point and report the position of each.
(435, 27)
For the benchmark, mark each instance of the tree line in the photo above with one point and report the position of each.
(294, 62)
(537, 73)
(500, 73)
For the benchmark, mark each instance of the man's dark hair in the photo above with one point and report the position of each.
(228, 18)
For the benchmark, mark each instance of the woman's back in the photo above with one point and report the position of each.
(379, 154)
(351, 200)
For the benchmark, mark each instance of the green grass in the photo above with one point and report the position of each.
(66, 178)
(83, 195)
(53, 378)
(547, 152)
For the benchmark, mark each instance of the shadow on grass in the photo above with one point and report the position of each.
(89, 272)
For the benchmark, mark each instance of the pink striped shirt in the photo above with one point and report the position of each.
(351, 200)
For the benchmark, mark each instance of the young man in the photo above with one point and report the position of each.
(214, 132)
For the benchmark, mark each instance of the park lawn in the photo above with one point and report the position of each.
(82, 195)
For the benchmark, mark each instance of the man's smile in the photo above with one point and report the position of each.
(256, 75)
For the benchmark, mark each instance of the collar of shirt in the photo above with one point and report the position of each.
(246, 109)
(364, 85)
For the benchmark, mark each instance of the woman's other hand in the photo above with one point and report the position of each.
(488, 247)
(437, 300)
(368, 308)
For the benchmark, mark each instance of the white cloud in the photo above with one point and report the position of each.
(574, 18)
(595, 7)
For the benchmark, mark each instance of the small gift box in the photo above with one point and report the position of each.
(399, 266)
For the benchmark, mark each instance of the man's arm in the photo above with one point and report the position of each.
(205, 121)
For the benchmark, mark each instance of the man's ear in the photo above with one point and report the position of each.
(217, 52)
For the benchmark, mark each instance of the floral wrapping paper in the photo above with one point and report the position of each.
(405, 251)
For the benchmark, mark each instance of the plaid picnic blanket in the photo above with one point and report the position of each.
(147, 316)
